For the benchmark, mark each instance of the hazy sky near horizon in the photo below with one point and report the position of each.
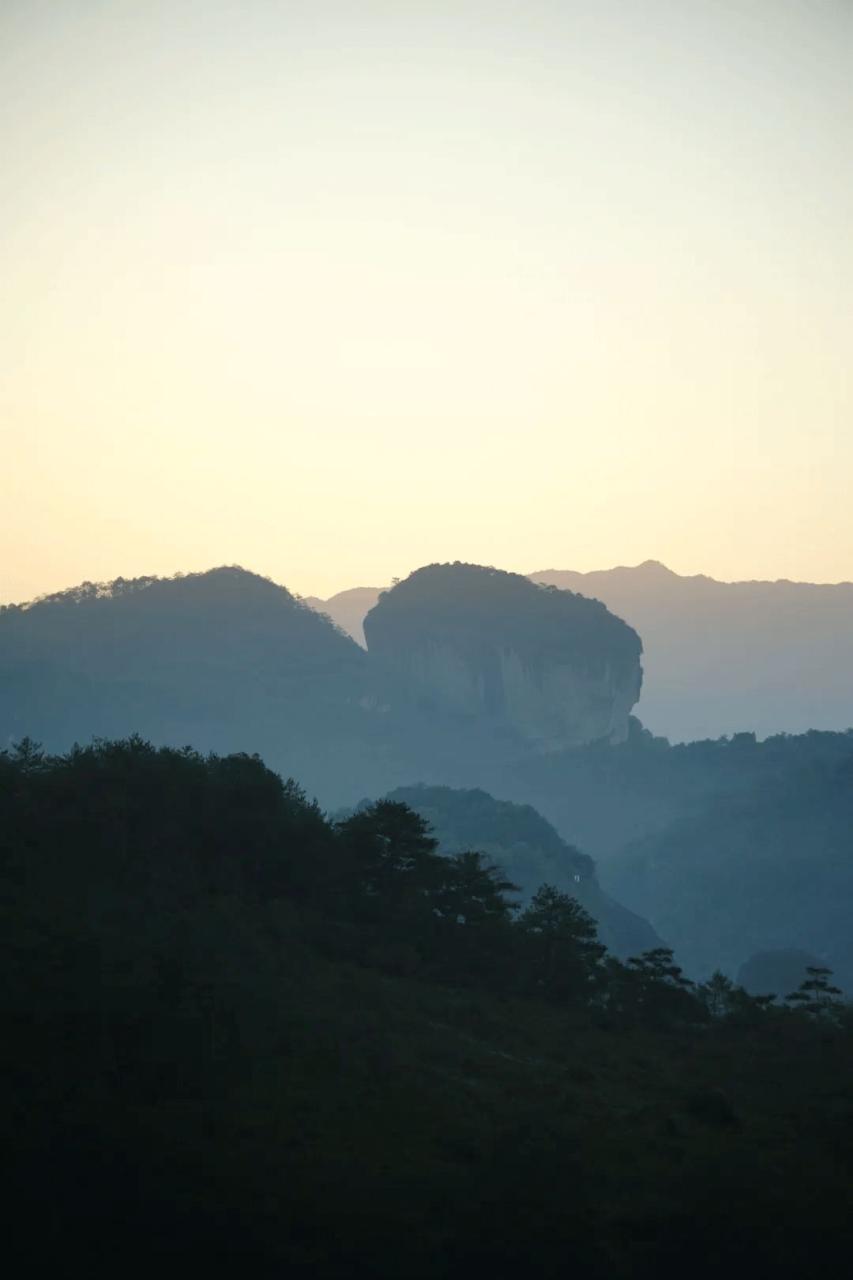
(334, 289)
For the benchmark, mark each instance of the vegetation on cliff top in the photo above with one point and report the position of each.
(473, 608)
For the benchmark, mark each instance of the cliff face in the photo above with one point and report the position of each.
(556, 668)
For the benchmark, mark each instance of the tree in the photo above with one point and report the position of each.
(473, 891)
(562, 951)
(472, 921)
(27, 754)
(656, 990)
(390, 871)
(723, 998)
(816, 995)
(717, 994)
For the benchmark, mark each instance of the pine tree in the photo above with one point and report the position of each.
(563, 954)
(816, 995)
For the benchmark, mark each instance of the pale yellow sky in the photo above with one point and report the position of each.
(333, 289)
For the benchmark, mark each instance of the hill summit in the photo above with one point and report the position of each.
(225, 658)
(556, 668)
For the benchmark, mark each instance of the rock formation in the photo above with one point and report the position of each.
(555, 668)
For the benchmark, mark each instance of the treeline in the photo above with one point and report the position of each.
(174, 828)
(239, 1033)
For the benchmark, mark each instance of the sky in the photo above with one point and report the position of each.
(334, 289)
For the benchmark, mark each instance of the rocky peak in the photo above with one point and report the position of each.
(555, 667)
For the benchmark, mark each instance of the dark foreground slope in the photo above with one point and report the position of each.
(235, 1039)
(529, 852)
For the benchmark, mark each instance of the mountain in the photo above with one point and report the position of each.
(777, 972)
(530, 853)
(550, 667)
(225, 659)
(769, 868)
(347, 609)
(231, 661)
(719, 657)
(454, 692)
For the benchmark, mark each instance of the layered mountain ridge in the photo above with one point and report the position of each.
(228, 660)
(718, 657)
(469, 684)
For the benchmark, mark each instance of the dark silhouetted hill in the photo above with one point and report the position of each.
(240, 1039)
(226, 659)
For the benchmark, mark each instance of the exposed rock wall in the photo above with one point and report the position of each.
(556, 668)
(556, 706)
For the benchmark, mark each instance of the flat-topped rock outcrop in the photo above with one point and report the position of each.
(558, 669)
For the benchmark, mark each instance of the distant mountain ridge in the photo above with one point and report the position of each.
(229, 660)
(769, 868)
(347, 609)
(719, 657)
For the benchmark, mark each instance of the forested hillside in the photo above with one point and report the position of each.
(240, 1036)
(529, 852)
(601, 798)
(768, 868)
(226, 659)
